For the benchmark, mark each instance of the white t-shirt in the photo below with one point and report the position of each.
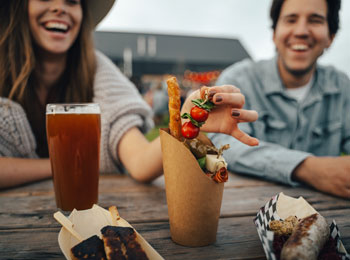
(299, 93)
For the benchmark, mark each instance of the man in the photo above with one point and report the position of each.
(304, 108)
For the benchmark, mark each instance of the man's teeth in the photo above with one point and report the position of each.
(58, 26)
(299, 47)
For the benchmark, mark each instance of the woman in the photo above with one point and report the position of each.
(47, 56)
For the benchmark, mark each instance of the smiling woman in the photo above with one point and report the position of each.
(28, 49)
(54, 24)
(47, 56)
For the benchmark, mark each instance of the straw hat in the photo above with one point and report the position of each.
(99, 9)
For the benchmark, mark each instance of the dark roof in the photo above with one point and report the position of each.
(203, 53)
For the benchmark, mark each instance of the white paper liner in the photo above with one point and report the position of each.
(280, 207)
(89, 222)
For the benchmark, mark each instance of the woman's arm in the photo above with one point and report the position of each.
(142, 159)
(17, 171)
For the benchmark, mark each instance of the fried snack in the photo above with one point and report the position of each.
(91, 248)
(174, 108)
(284, 227)
(120, 243)
(114, 214)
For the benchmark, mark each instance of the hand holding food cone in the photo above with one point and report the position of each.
(194, 194)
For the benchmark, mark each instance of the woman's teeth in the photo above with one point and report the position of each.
(54, 26)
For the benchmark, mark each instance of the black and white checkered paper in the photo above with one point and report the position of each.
(268, 213)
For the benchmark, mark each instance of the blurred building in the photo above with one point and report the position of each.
(139, 54)
(148, 59)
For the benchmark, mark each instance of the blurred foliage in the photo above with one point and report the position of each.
(161, 123)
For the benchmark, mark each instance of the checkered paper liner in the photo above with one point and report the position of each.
(269, 212)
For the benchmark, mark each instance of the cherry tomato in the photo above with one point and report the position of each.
(199, 114)
(189, 130)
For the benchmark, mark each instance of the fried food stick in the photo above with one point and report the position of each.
(174, 108)
(121, 243)
(114, 214)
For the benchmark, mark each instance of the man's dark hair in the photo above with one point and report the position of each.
(332, 16)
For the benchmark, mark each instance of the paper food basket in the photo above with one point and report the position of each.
(280, 207)
(89, 222)
(194, 199)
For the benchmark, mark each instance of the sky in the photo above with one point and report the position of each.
(247, 21)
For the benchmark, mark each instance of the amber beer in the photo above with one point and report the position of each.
(73, 136)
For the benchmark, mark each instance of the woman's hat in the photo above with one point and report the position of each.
(99, 9)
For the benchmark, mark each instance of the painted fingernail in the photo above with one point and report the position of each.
(212, 92)
(218, 98)
(235, 113)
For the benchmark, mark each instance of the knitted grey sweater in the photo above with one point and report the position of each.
(122, 108)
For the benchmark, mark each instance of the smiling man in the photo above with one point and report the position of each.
(304, 108)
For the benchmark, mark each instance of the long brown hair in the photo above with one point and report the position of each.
(18, 57)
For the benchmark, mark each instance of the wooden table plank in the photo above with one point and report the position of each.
(28, 230)
(118, 183)
(236, 239)
(149, 203)
(248, 200)
(30, 244)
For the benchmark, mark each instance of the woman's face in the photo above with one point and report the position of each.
(55, 24)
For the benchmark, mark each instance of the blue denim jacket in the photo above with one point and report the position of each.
(288, 131)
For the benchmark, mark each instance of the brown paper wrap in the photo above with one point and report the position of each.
(194, 200)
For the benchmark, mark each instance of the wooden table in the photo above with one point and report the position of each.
(28, 230)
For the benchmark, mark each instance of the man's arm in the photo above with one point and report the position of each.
(17, 171)
(327, 174)
(276, 163)
(270, 161)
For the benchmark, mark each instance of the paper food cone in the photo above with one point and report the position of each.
(194, 200)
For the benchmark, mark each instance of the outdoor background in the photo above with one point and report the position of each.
(247, 21)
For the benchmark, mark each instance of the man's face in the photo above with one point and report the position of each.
(301, 35)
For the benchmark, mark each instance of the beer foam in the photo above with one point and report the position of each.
(87, 108)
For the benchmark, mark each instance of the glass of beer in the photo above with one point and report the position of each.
(73, 136)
